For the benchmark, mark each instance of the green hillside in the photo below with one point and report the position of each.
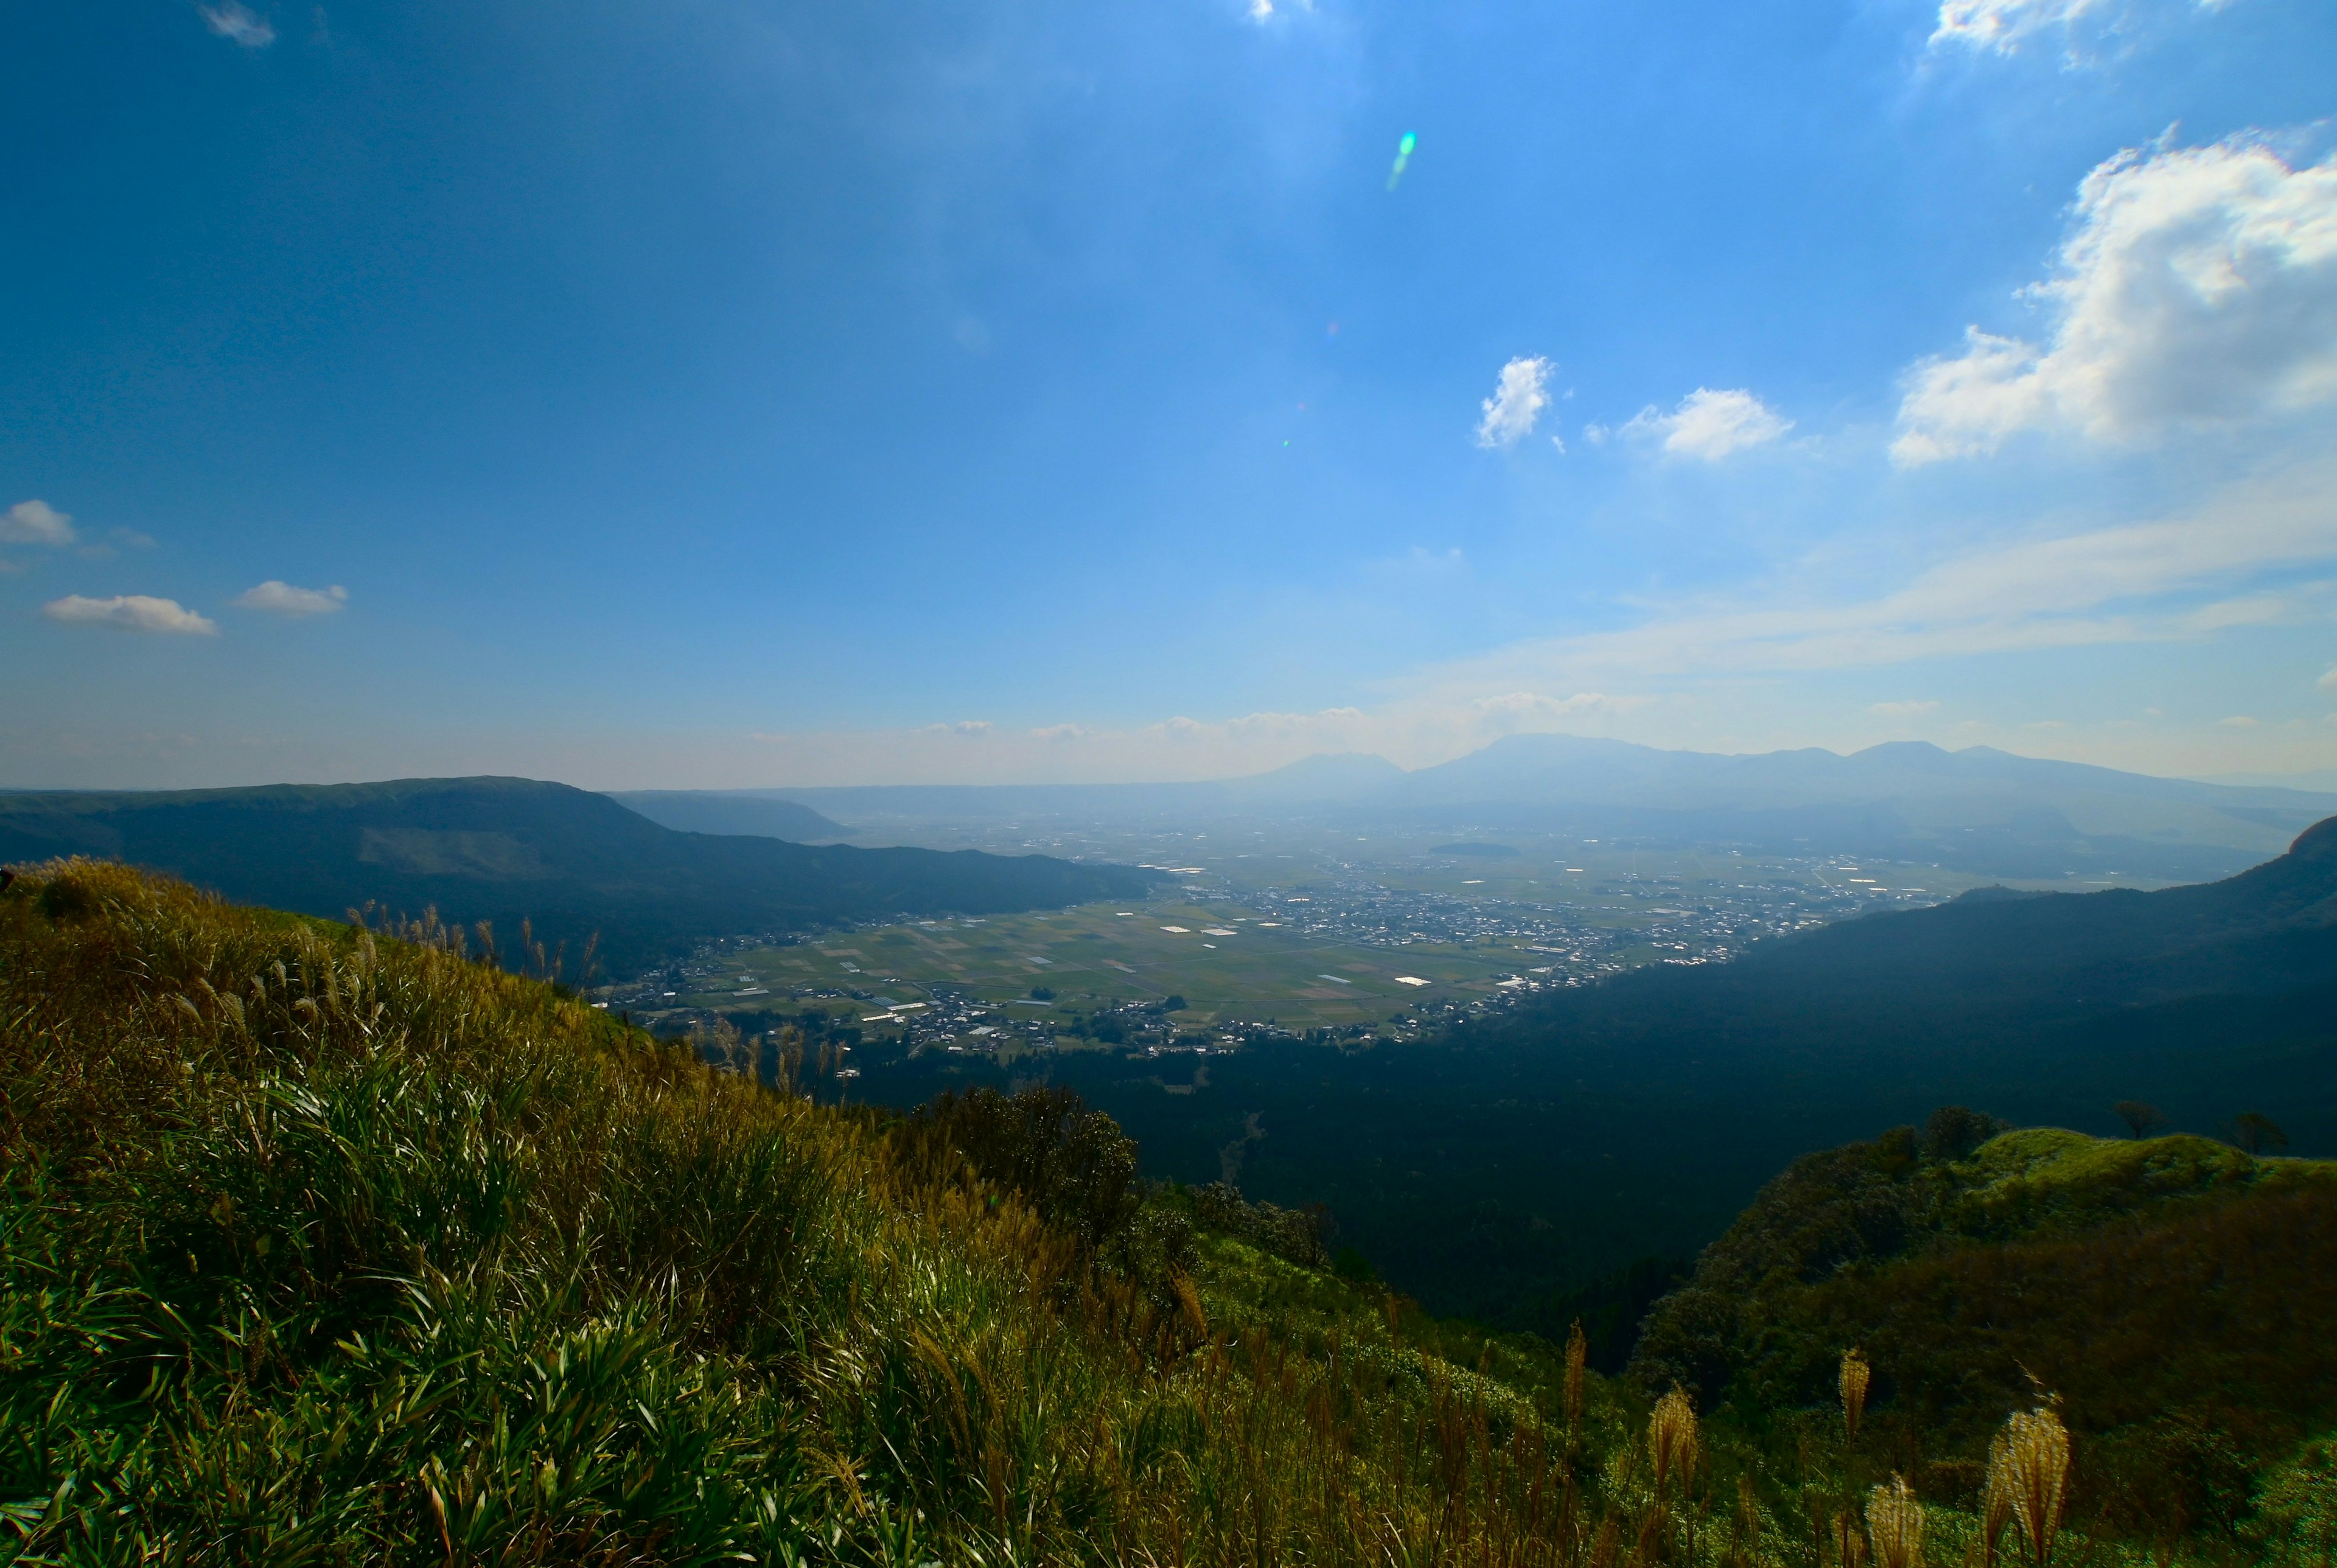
(2174, 1293)
(322, 1244)
(576, 864)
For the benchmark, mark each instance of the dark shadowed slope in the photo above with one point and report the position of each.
(2171, 1292)
(499, 849)
(727, 812)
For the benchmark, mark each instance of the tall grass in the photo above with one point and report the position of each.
(327, 1245)
(322, 1246)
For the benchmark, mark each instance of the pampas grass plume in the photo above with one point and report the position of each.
(1855, 1374)
(1894, 1524)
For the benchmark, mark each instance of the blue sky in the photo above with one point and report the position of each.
(720, 393)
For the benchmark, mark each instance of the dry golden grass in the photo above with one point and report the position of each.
(1894, 1525)
(1854, 1376)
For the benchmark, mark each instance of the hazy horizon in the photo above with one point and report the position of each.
(2321, 781)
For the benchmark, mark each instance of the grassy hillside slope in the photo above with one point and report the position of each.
(318, 1245)
(500, 850)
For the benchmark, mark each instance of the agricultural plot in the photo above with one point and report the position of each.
(1225, 962)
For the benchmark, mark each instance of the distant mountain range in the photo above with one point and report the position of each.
(1979, 810)
(575, 863)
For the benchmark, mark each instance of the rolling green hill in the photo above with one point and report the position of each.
(2174, 1293)
(318, 1246)
(577, 864)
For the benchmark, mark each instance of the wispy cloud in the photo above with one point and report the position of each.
(274, 598)
(1518, 399)
(1903, 710)
(2002, 26)
(1709, 424)
(36, 523)
(129, 612)
(2196, 287)
(2183, 576)
(239, 25)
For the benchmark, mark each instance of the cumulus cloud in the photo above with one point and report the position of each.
(1711, 425)
(35, 522)
(129, 612)
(1518, 399)
(239, 25)
(1261, 10)
(274, 598)
(2196, 287)
(1903, 709)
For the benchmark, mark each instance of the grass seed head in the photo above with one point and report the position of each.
(1855, 1375)
(1894, 1525)
(2027, 1481)
(1672, 1439)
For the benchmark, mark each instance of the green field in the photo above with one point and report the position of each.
(1225, 960)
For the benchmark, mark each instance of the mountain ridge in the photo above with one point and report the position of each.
(575, 863)
(1979, 810)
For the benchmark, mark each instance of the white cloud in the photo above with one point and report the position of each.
(1903, 709)
(1710, 424)
(274, 598)
(2002, 25)
(2237, 721)
(2328, 681)
(35, 522)
(1516, 402)
(1261, 10)
(239, 23)
(2196, 287)
(129, 612)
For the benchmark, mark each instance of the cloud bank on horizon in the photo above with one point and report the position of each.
(1099, 404)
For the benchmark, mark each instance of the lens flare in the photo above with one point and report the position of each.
(1403, 156)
